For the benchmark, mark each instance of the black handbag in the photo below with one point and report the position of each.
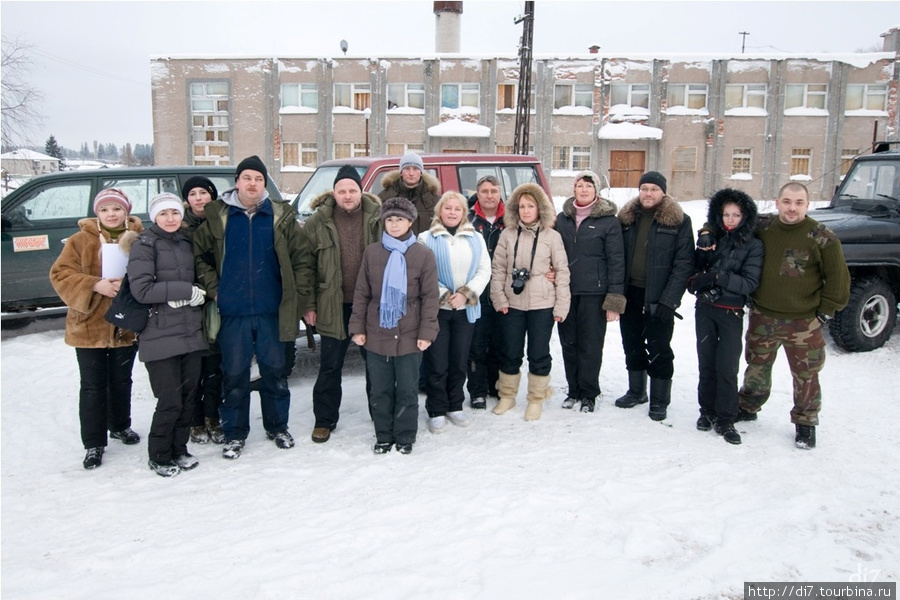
(126, 312)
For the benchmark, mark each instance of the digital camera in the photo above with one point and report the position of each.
(519, 277)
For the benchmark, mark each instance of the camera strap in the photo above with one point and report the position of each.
(533, 248)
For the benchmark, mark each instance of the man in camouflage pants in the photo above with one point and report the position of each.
(804, 281)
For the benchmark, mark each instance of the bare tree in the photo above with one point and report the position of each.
(19, 99)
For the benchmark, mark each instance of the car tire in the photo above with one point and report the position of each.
(868, 320)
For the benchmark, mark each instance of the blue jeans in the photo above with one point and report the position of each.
(239, 339)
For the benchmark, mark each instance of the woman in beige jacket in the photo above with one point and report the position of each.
(528, 301)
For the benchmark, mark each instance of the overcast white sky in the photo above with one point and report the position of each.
(92, 59)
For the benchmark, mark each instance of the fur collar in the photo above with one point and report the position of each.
(668, 213)
(430, 183)
(546, 211)
(718, 201)
(601, 208)
(327, 199)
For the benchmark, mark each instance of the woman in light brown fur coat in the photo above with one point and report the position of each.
(105, 353)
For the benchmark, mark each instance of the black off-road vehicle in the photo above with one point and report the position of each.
(865, 215)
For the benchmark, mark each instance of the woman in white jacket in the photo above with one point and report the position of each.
(464, 270)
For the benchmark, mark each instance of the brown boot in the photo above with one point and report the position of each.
(215, 431)
(538, 391)
(507, 388)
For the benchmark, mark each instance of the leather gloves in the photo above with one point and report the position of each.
(701, 282)
(664, 314)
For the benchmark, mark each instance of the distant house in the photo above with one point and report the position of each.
(27, 163)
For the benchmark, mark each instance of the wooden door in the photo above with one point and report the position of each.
(626, 168)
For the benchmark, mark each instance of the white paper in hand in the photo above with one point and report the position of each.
(113, 261)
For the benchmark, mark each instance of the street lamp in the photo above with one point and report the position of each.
(367, 112)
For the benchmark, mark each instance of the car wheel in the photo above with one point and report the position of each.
(868, 319)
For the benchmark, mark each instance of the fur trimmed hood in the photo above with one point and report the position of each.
(669, 213)
(601, 208)
(327, 198)
(392, 179)
(546, 209)
(718, 201)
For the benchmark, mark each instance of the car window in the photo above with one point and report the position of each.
(70, 200)
(870, 180)
(376, 186)
(514, 176)
(321, 181)
(138, 190)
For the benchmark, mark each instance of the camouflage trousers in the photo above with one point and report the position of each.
(804, 345)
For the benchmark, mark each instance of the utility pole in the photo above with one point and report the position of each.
(523, 110)
(743, 35)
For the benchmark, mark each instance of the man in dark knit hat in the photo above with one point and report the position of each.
(248, 258)
(804, 281)
(345, 221)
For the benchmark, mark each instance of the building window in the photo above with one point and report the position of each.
(298, 154)
(580, 95)
(460, 95)
(805, 95)
(866, 97)
(406, 95)
(630, 95)
(572, 158)
(210, 117)
(801, 159)
(690, 95)
(745, 95)
(300, 95)
(355, 96)
(847, 156)
(740, 161)
(401, 149)
(506, 96)
(505, 149)
(349, 149)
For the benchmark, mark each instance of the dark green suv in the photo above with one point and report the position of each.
(39, 216)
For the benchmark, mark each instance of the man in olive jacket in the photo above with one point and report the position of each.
(249, 247)
(417, 186)
(345, 221)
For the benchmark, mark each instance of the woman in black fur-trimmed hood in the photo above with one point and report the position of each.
(729, 260)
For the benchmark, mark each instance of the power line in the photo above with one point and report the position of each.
(87, 68)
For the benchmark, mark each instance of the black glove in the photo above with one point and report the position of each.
(701, 282)
(705, 240)
(823, 318)
(664, 314)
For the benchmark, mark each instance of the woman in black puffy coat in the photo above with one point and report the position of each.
(729, 260)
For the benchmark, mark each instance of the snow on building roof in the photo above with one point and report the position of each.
(457, 128)
(629, 131)
(26, 154)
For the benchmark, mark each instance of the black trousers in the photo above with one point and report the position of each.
(209, 393)
(327, 392)
(445, 363)
(582, 335)
(719, 343)
(394, 396)
(515, 326)
(484, 363)
(174, 382)
(647, 342)
(104, 398)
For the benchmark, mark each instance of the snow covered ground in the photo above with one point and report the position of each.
(609, 505)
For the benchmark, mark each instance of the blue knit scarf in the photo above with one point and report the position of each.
(441, 249)
(393, 288)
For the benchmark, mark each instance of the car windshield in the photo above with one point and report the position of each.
(321, 181)
(870, 180)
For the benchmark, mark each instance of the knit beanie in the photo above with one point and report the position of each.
(252, 163)
(114, 196)
(398, 207)
(198, 181)
(591, 178)
(163, 201)
(348, 172)
(654, 177)
(411, 159)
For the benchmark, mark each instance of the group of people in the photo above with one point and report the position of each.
(440, 297)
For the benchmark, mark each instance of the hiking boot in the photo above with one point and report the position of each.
(283, 439)
(382, 447)
(164, 469)
(660, 395)
(745, 415)
(436, 424)
(232, 449)
(93, 458)
(588, 405)
(637, 390)
(127, 436)
(726, 430)
(479, 403)
(806, 437)
(404, 448)
(186, 461)
(570, 402)
(216, 435)
(320, 435)
(458, 418)
(705, 422)
(199, 434)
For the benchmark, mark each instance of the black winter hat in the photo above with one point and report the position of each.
(252, 163)
(398, 207)
(348, 172)
(654, 177)
(198, 181)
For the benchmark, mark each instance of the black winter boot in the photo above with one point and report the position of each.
(660, 394)
(637, 390)
(806, 437)
(705, 422)
(728, 432)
